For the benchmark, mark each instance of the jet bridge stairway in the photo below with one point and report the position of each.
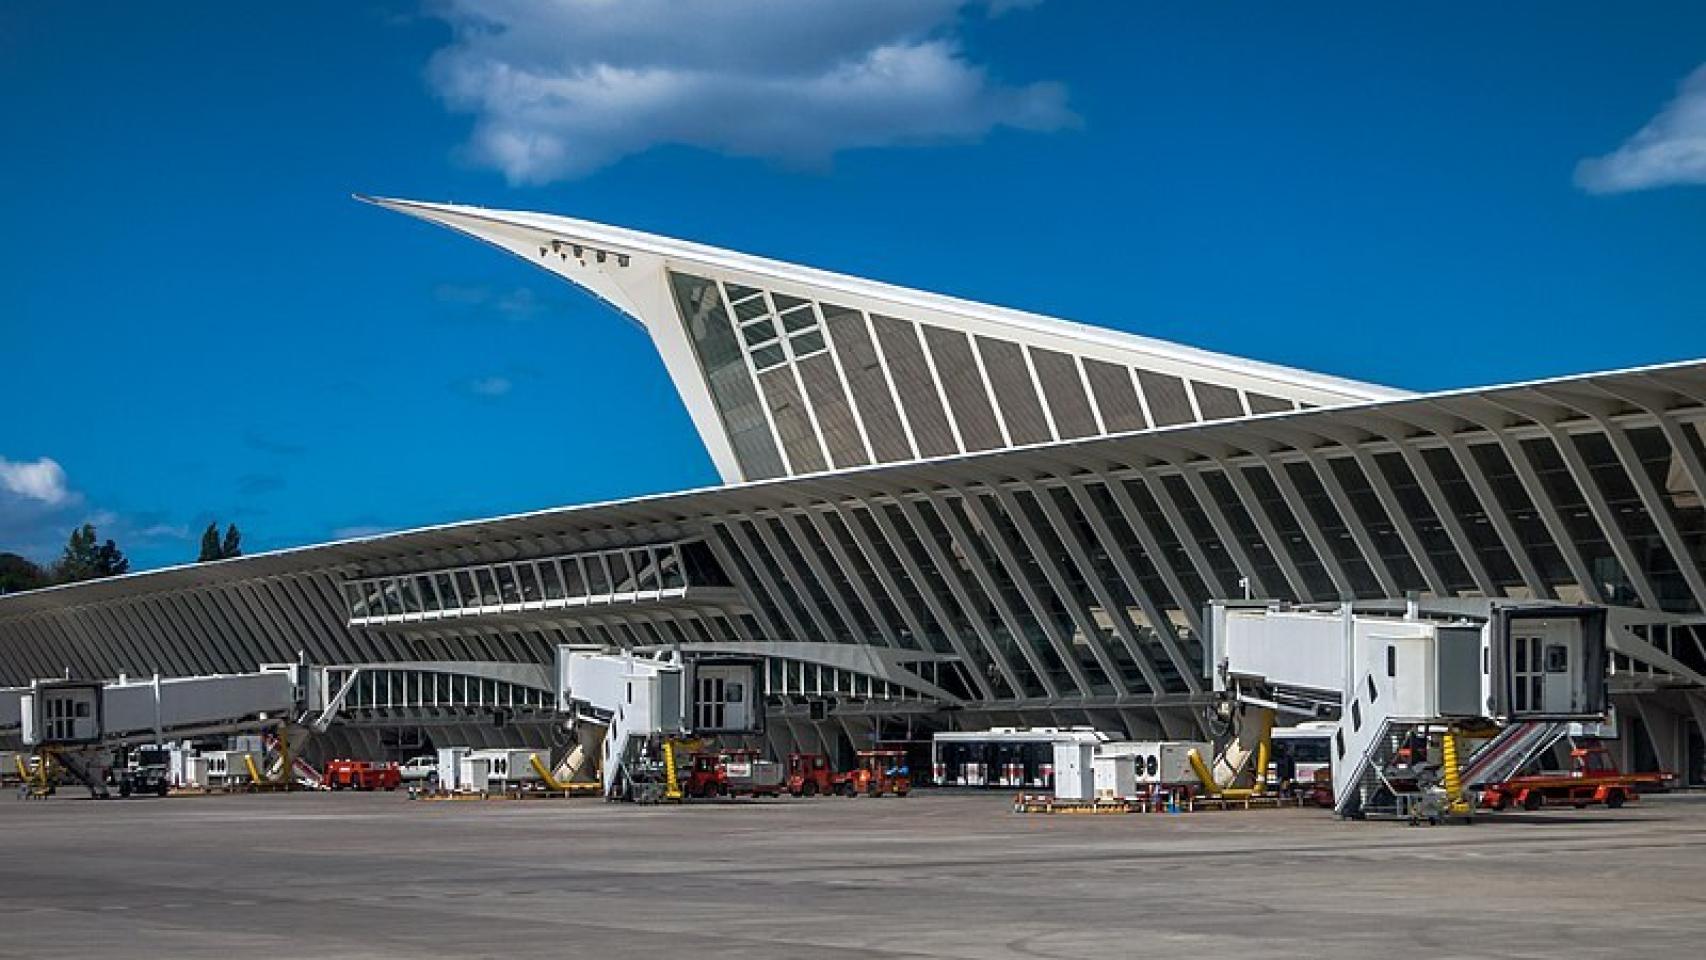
(1515, 747)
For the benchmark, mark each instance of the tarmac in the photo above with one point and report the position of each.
(937, 874)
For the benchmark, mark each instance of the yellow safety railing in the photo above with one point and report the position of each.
(672, 783)
(1457, 803)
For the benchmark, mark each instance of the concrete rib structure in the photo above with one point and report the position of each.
(941, 513)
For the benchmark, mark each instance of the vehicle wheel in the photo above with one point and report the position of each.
(846, 790)
(1532, 800)
(1614, 799)
(162, 790)
(810, 790)
(902, 793)
(1500, 802)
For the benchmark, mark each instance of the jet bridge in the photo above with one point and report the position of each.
(80, 722)
(643, 705)
(1403, 683)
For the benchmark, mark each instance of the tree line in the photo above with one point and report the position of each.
(87, 557)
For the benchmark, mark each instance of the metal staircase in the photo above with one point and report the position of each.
(1515, 747)
(1364, 744)
(88, 769)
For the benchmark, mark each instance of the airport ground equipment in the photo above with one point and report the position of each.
(1115, 776)
(80, 723)
(1002, 756)
(1593, 778)
(733, 773)
(644, 705)
(810, 774)
(1074, 770)
(1511, 750)
(144, 771)
(876, 772)
(1302, 751)
(419, 769)
(1404, 682)
(346, 774)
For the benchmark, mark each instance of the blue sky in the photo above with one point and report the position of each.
(199, 322)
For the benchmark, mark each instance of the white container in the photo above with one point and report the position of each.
(1116, 777)
(506, 768)
(228, 768)
(1074, 773)
(450, 768)
(474, 773)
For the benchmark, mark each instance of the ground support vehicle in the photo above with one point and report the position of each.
(876, 772)
(733, 773)
(1592, 779)
(146, 771)
(362, 775)
(419, 769)
(810, 774)
(706, 776)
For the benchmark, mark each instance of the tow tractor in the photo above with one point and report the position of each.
(707, 778)
(145, 771)
(877, 772)
(1592, 778)
(810, 774)
(733, 773)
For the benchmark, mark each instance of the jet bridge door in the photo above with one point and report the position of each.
(1549, 663)
(727, 695)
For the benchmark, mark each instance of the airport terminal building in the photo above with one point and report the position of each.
(939, 514)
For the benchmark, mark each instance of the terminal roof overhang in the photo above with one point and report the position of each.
(788, 370)
(521, 232)
(1565, 400)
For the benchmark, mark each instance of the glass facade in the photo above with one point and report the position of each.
(803, 385)
(648, 572)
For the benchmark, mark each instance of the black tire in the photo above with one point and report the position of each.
(846, 790)
(1532, 801)
(1614, 799)
(810, 788)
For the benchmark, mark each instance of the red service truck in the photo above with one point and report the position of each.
(362, 775)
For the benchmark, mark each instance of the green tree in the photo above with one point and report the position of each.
(86, 558)
(209, 543)
(20, 573)
(215, 548)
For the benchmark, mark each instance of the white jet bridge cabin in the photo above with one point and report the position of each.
(1404, 683)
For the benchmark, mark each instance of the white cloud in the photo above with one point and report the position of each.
(490, 386)
(43, 480)
(359, 531)
(561, 88)
(1669, 150)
